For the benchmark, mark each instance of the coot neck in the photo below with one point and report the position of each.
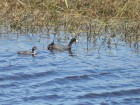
(70, 43)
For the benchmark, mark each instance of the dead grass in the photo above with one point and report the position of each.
(92, 17)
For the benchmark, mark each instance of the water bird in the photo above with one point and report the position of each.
(57, 47)
(33, 52)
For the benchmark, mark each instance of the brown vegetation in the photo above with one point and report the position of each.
(77, 16)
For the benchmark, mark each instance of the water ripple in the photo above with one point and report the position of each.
(23, 76)
(131, 92)
(42, 97)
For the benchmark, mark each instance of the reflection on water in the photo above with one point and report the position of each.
(101, 72)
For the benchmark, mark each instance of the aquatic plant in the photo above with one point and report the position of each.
(111, 18)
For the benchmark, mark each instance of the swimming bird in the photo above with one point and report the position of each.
(33, 52)
(57, 47)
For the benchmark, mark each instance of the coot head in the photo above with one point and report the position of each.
(33, 49)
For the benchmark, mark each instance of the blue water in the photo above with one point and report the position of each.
(93, 75)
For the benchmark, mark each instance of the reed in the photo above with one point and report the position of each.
(92, 17)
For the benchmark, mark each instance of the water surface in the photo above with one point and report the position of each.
(94, 74)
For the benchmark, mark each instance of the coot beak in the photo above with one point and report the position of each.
(76, 40)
